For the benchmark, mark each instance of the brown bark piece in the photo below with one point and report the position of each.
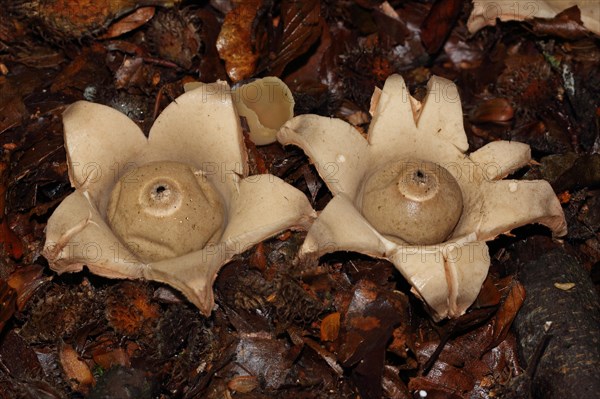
(569, 366)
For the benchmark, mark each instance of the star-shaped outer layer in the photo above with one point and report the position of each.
(200, 128)
(447, 276)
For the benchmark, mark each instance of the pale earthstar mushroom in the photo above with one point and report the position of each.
(266, 104)
(409, 193)
(173, 207)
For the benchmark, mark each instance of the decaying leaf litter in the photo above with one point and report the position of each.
(342, 327)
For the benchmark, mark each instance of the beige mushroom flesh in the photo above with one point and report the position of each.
(266, 104)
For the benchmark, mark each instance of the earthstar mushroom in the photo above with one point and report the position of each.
(266, 104)
(173, 207)
(411, 149)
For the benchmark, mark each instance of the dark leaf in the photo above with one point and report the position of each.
(368, 326)
(8, 301)
(566, 25)
(495, 110)
(132, 21)
(299, 30)
(506, 313)
(438, 24)
(26, 281)
(19, 358)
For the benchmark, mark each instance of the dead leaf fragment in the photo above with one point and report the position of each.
(330, 327)
(506, 314)
(566, 24)
(243, 383)
(107, 359)
(235, 42)
(300, 29)
(8, 298)
(76, 370)
(132, 21)
(438, 24)
(564, 286)
(25, 281)
(494, 110)
(71, 19)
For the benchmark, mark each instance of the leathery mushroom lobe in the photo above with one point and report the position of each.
(165, 209)
(413, 201)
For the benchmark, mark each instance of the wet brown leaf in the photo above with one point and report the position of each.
(489, 294)
(494, 110)
(77, 372)
(8, 299)
(506, 314)
(368, 325)
(235, 43)
(566, 24)
(330, 327)
(12, 108)
(18, 357)
(130, 72)
(299, 30)
(243, 384)
(26, 281)
(132, 21)
(107, 357)
(438, 24)
(75, 19)
(263, 356)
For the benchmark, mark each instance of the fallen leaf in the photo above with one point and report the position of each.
(330, 327)
(129, 308)
(372, 315)
(76, 19)
(243, 383)
(235, 42)
(564, 286)
(494, 110)
(8, 299)
(77, 372)
(176, 36)
(299, 29)
(506, 314)
(26, 281)
(107, 357)
(130, 22)
(439, 22)
(567, 25)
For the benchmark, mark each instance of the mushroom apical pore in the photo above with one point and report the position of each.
(414, 201)
(165, 209)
